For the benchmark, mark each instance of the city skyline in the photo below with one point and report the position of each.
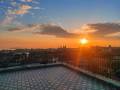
(51, 23)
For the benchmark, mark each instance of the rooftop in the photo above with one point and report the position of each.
(50, 78)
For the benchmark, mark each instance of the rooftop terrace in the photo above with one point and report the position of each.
(50, 78)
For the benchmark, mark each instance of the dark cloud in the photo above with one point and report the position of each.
(46, 29)
(14, 29)
(98, 30)
(55, 31)
(104, 29)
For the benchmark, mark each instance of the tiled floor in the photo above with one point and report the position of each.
(52, 78)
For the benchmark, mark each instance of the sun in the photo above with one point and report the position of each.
(83, 41)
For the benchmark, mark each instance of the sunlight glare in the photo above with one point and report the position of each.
(83, 41)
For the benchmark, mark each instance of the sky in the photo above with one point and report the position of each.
(52, 23)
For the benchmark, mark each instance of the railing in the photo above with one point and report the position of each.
(97, 76)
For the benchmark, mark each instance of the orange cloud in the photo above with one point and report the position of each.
(87, 29)
(23, 9)
(116, 34)
(21, 12)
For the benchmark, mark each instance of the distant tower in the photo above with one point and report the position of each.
(64, 46)
(109, 48)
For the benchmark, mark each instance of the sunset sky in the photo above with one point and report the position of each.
(52, 23)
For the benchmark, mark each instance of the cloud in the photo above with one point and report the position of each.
(116, 34)
(19, 12)
(26, 0)
(23, 28)
(102, 29)
(23, 9)
(97, 31)
(38, 8)
(17, 8)
(14, 8)
(7, 20)
(46, 29)
(55, 30)
(11, 13)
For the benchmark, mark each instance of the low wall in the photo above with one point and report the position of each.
(29, 66)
